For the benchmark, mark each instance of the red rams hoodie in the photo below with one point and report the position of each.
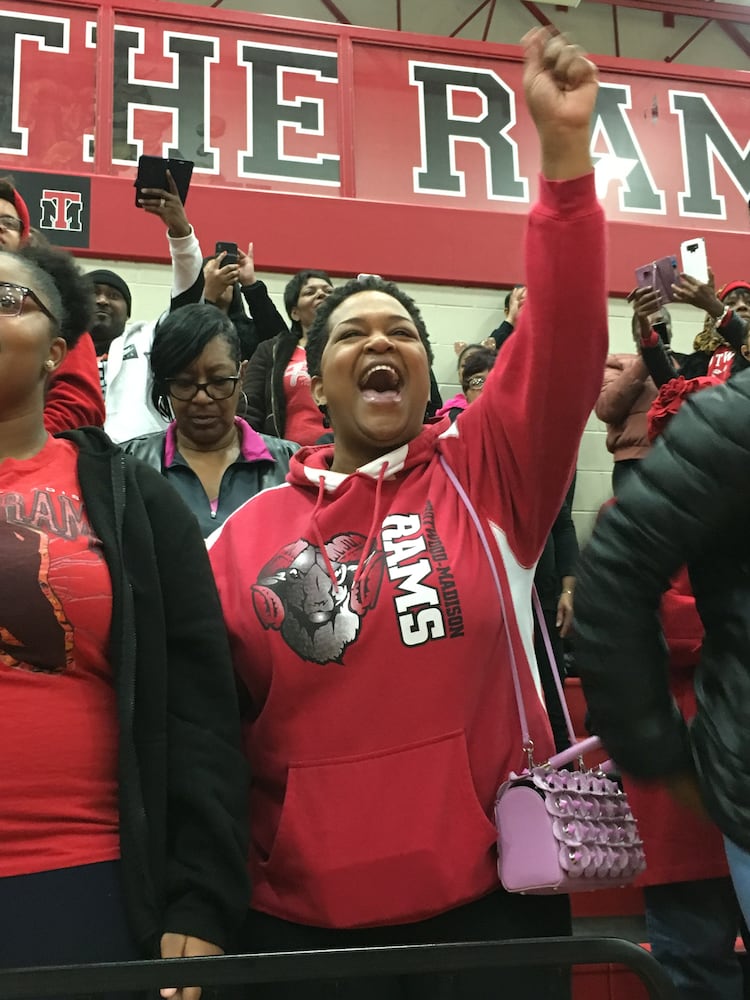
(366, 627)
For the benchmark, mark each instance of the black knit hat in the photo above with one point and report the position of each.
(104, 277)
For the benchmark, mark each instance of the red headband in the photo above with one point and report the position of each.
(732, 286)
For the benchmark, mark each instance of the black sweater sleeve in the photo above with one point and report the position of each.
(690, 488)
(255, 385)
(501, 334)
(734, 331)
(267, 318)
(660, 364)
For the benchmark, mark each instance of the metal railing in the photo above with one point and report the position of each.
(16, 984)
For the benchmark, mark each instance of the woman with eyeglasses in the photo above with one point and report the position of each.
(122, 813)
(212, 457)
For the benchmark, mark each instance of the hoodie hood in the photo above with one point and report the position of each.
(311, 466)
(91, 441)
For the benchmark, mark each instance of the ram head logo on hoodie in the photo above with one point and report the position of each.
(317, 596)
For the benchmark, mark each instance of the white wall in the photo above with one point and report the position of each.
(455, 314)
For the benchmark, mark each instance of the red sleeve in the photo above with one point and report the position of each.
(74, 396)
(516, 446)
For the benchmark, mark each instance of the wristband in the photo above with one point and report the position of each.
(721, 319)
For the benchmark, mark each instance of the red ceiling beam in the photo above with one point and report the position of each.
(687, 42)
(687, 8)
(331, 7)
(736, 35)
(491, 14)
(616, 31)
(471, 17)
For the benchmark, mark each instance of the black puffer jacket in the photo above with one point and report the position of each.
(689, 503)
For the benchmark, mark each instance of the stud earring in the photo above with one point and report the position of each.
(49, 365)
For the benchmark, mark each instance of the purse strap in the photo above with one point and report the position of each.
(528, 744)
(552, 659)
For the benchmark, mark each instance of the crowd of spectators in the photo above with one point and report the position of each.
(234, 571)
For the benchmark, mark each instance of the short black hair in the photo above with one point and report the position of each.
(70, 295)
(294, 286)
(317, 336)
(180, 339)
(468, 349)
(482, 360)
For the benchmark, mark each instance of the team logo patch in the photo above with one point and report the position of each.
(317, 598)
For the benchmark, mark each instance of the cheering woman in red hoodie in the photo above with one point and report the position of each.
(360, 605)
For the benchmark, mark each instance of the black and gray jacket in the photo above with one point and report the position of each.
(242, 480)
(181, 775)
(688, 504)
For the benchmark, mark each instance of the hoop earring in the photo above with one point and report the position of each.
(165, 408)
(242, 408)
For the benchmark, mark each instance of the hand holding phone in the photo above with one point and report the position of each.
(229, 250)
(661, 275)
(166, 203)
(152, 176)
(694, 259)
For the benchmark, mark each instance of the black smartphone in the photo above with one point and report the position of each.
(230, 249)
(152, 173)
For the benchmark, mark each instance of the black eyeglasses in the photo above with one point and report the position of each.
(12, 298)
(11, 223)
(185, 389)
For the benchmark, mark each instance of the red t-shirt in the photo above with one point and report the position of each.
(58, 739)
(304, 421)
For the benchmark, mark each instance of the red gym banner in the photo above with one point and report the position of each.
(347, 148)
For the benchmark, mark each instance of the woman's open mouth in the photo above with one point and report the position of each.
(381, 384)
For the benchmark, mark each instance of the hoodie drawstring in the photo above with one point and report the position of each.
(374, 523)
(318, 535)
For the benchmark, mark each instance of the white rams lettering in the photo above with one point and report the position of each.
(417, 604)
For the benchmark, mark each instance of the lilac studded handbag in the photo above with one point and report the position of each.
(560, 827)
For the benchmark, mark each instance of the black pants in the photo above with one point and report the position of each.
(69, 916)
(496, 917)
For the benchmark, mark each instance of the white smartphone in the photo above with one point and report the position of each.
(694, 259)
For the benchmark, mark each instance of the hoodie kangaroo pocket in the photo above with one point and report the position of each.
(384, 838)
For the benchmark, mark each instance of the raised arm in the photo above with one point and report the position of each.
(508, 325)
(267, 318)
(184, 248)
(517, 444)
(647, 306)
